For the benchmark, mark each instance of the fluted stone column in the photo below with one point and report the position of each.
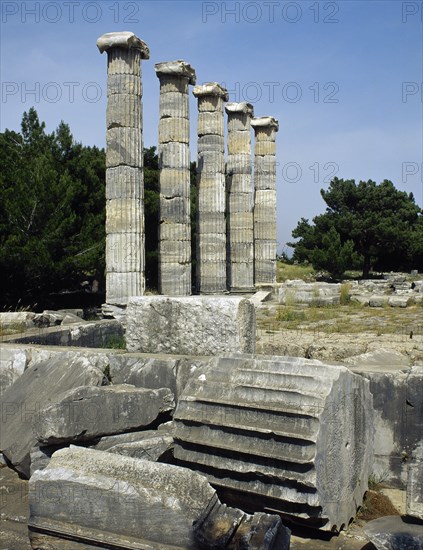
(211, 223)
(124, 167)
(239, 187)
(174, 163)
(265, 129)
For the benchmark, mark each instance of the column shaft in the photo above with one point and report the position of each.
(239, 187)
(124, 167)
(174, 164)
(265, 199)
(211, 224)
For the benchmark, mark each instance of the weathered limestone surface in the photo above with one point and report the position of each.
(16, 319)
(124, 162)
(211, 200)
(175, 206)
(393, 533)
(398, 406)
(193, 325)
(220, 527)
(265, 129)
(104, 499)
(239, 188)
(297, 291)
(85, 413)
(36, 387)
(287, 434)
(91, 335)
(154, 372)
(415, 484)
(151, 445)
(13, 362)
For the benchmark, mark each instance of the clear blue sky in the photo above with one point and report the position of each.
(344, 79)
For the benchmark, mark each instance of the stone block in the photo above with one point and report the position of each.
(172, 105)
(190, 325)
(239, 163)
(174, 130)
(239, 142)
(393, 533)
(211, 142)
(17, 320)
(124, 147)
(210, 162)
(151, 445)
(305, 427)
(175, 156)
(124, 216)
(210, 123)
(175, 278)
(170, 84)
(401, 301)
(124, 182)
(123, 110)
(264, 231)
(263, 148)
(175, 231)
(124, 84)
(122, 285)
(210, 103)
(85, 413)
(38, 386)
(124, 253)
(378, 300)
(175, 210)
(414, 503)
(13, 362)
(174, 183)
(102, 499)
(175, 252)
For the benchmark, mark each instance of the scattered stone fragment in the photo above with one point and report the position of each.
(288, 434)
(85, 413)
(37, 387)
(378, 300)
(19, 320)
(414, 501)
(220, 527)
(393, 533)
(381, 357)
(400, 301)
(96, 498)
(151, 445)
(13, 362)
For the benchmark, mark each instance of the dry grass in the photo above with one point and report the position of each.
(285, 272)
(344, 319)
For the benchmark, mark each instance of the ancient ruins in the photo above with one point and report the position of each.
(188, 439)
(236, 206)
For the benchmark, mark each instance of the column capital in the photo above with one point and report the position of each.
(211, 89)
(242, 107)
(176, 68)
(265, 121)
(123, 39)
